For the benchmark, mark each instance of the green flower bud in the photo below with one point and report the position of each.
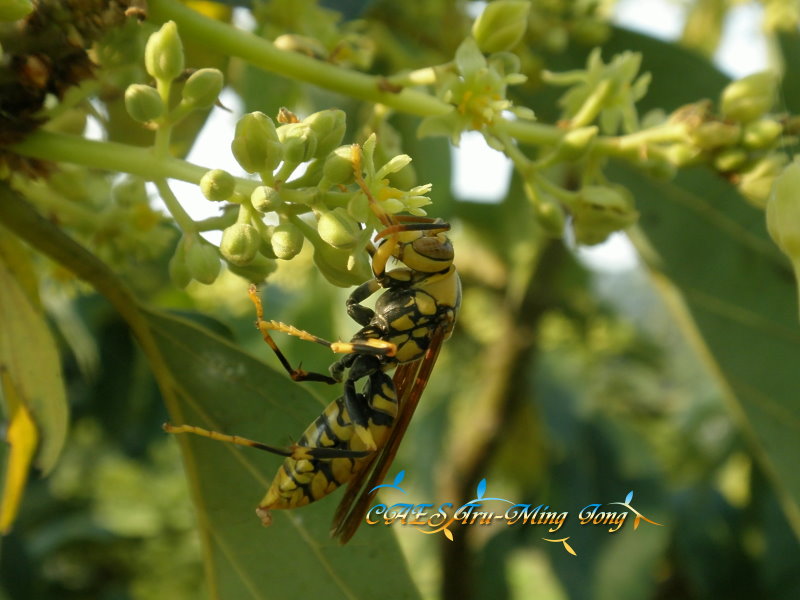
(714, 134)
(505, 63)
(550, 216)
(659, 167)
(203, 87)
(255, 145)
(783, 211)
(358, 207)
(265, 246)
(178, 269)
(217, 185)
(682, 155)
(501, 25)
(750, 97)
(265, 199)
(329, 127)
(340, 267)
(202, 259)
(13, 10)
(589, 31)
(286, 241)
(783, 215)
(143, 103)
(255, 271)
(761, 134)
(129, 191)
(338, 167)
(163, 54)
(730, 160)
(240, 243)
(338, 228)
(755, 183)
(299, 142)
(600, 211)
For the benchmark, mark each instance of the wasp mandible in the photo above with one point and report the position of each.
(356, 437)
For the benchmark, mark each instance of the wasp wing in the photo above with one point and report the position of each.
(410, 380)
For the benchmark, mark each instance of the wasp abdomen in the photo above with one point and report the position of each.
(301, 481)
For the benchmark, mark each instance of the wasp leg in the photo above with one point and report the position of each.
(354, 403)
(264, 326)
(296, 452)
(361, 314)
(376, 347)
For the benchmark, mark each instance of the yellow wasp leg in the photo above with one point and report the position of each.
(223, 437)
(371, 346)
(296, 452)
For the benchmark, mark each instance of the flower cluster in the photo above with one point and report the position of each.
(312, 188)
(475, 84)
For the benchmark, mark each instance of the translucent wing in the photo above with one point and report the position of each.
(410, 380)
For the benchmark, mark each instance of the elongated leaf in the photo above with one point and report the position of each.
(220, 387)
(22, 437)
(28, 353)
(740, 292)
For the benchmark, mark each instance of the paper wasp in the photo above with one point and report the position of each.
(356, 437)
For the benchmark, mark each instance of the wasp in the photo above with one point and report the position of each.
(355, 439)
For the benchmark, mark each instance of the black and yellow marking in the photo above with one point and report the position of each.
(355, 438)
(299, 482)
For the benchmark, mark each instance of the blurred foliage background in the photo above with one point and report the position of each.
(564, 383)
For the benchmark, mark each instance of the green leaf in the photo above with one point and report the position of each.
(739, 291)
(28, 352)
(221, 388)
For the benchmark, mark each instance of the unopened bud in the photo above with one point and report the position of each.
(783, 216)
(550, 216)
(299, 142)
(340, 267)
(730, 160)
(338, 168)
(682, 155)
(755, 183)
(203, 87)
(217, 185)
(202, 259)
(143, 103)
(501, 25)
(286, 241)
(750, 97)
(761, 134)
(329, 127)
(600, 211)
(255, 145)
(714, 134)
(358, 207)
(163, 54)
(783, 211)
(129, 191)
(178, 269)
(338, 228)
(256, 270)
(240, 243)
(265, 199)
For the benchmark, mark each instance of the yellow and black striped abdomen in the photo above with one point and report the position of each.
(301, 481)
